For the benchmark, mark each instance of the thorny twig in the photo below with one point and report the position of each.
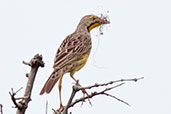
(112, 82)
(97, 93)
(116, 98)
(76, 88)
(14, 100)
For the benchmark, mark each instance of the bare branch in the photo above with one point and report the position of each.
(22, 105)
(26, 63)
(1, 106)
(116, 98)
(111, 82)
(55, 111)
(94, 94)
(77, 88)
(14, 100)
(36, 60)
(46, 107)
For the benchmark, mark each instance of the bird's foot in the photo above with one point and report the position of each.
(87, 95)
(61, 108)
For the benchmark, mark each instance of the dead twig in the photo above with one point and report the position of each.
(14, 100)
(22, 105)
(75, 89)
(104, 91)
(1, 106)
(46, 107)
(112, 82)
(94, 94)
(117, 98)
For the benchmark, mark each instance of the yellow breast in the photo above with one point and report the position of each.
(79, 63)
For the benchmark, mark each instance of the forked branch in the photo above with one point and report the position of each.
(77, 88)
(22, 104)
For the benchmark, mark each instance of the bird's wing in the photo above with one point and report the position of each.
(70, 50)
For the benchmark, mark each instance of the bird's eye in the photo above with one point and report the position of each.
(93, 18)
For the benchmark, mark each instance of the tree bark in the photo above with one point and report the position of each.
(22, 105)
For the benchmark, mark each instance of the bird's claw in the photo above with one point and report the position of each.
(83, 99)
(61, 108)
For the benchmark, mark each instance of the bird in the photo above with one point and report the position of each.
(73, 53)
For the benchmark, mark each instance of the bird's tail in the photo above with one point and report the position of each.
(53, 78)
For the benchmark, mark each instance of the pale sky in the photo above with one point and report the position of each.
(137, 43)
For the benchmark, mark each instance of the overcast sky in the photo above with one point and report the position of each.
(137, 43)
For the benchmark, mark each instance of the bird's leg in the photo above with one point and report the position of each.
(83, 90)
(61, 108)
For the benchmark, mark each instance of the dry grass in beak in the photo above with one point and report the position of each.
(106, 19)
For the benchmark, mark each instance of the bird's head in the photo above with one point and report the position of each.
(89, 22)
